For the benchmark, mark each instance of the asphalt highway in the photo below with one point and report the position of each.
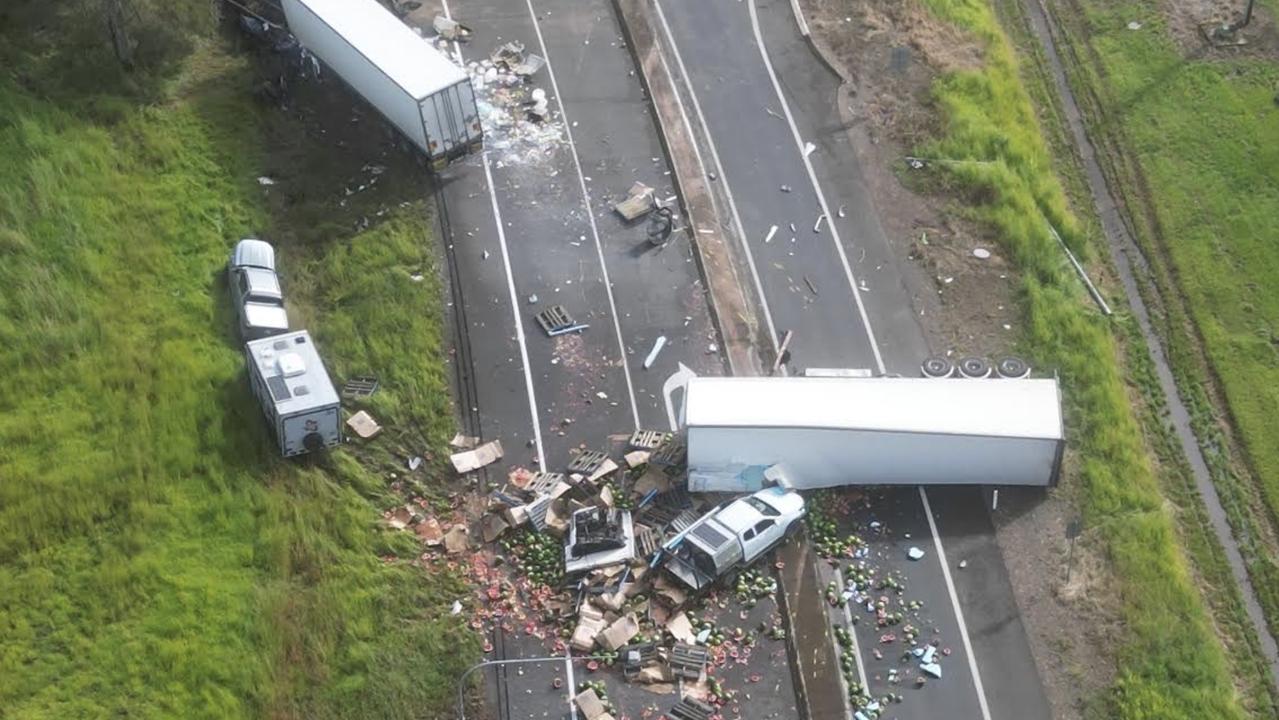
(764, 96)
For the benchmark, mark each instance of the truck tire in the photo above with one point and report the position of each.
(974, 367)
(1012, 368)
(937, 367)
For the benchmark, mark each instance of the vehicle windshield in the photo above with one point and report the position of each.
(763, 507)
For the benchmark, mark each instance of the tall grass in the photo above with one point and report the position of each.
(156, 559)
(1170, 663)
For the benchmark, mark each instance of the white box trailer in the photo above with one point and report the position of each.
(827, 431)
(295, 392)
(413, 85)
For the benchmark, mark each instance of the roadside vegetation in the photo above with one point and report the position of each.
(1170, 663)
(156, 558)
(1187, 128)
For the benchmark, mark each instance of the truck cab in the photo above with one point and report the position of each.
(255, 290)
(733, 535)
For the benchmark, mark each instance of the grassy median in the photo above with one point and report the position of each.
(156, 558)
(1170, 663)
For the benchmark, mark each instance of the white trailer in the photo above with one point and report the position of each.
(415, 86)
(827, 431)
(295, 393)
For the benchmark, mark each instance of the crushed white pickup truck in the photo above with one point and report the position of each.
(733, 535)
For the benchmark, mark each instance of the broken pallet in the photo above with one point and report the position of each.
(687, 661)
(555, 320)
(690, 708)
(587, 462)
(647, 439)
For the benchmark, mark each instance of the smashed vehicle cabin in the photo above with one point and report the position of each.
(830, 431)
(733, 535)
(417, 88)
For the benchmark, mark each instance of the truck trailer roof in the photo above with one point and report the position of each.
(293, 372)
(388, 43)
(1027, 408)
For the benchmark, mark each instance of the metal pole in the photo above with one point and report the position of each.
(461, 681)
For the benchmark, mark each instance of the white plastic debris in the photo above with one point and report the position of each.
(914, 553)
(771, 232)
(981, 253)
(1134, 25)
(963, 564)
(809, 148)
(652, 354)
(931, 668)
(264, 180)
(457, 607)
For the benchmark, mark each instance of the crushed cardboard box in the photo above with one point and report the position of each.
(472, 460)
(590, 704)
(457, 540)
(430, 531)
(620, 632)
(364, 425)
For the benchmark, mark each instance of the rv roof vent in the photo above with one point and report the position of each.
(279, 345)
(301, 390)
(290, 365)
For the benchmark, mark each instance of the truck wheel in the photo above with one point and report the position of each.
(1012, 367)
(937, 367)
(974, 367)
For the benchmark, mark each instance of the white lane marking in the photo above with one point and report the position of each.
(821, 197)
(510, 286)
(572, 682)
(954, 602)
(590, 213)
(732, 204)
(799, 17)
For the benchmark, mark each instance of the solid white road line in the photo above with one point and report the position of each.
(821, 197)
(954, 601)
(572, 682)
(719, 168)
(590, 214)
(510, 286)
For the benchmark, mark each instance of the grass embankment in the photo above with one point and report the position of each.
(156, 558)
(1188, 132)
(1170, 663)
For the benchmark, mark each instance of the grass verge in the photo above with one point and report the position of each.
(1170, 662)
(156, 559)
(1179, 126)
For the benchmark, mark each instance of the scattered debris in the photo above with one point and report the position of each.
(555, 320)
(1134, 25)
(652, 354)
(915, 553)
(363, 424)
(817, 226)
(809, 149)
(981, 253)
(361, 386)
(638, 203)
(771, 232)
(264, 180)
(464, 442)
(471, 460)
(450, 29)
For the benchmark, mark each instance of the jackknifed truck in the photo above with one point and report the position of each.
(415, 86)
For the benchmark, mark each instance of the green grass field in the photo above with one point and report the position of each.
(1170, 663)
(1198, 169)
(156, 558)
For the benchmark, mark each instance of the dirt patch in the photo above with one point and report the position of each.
(1190, 21)
(893, 51)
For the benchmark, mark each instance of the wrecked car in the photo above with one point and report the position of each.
(733, 535)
